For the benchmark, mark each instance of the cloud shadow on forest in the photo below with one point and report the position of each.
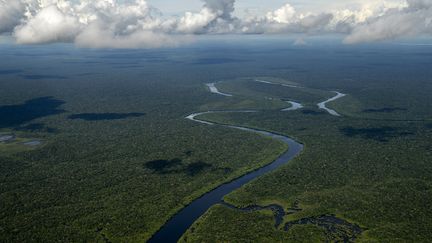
(176, 165)
(104, 116)
(380, 134)
(384, 110)
(17, 115)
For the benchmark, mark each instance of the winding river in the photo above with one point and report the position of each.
(180, 222)
(284, 85)
(323, 104)
(294, 106)
(214, 90)
(177, 225)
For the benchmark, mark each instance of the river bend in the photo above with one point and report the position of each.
(175, 227)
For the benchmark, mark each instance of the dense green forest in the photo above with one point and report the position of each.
(367, 170)
(117, 158)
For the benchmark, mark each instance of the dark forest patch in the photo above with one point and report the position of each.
(196, 168)
(381, 134)
(164, 166)
(104, 116)
(16, 115)
(384, 110)
(311, 112)
(177, 166)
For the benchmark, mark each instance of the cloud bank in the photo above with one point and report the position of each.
(413, 19)
(136, 24)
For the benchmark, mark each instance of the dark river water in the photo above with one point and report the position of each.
(180, 222)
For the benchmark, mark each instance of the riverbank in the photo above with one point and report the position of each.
(179, 223)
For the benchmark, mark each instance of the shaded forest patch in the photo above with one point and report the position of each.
(384, 110)
(104, 116)
(381, 134)
(196, 168)
(16, 115)
(311, 112)
(164, 166)
(177, 166)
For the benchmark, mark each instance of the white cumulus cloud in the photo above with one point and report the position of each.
(136, 24)
(49, 25)
(414, 19)
(283, 15)
(11, 13)
(94, 36)
(196, 22)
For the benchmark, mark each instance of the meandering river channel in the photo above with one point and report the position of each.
(323, 104)
(180, 222)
